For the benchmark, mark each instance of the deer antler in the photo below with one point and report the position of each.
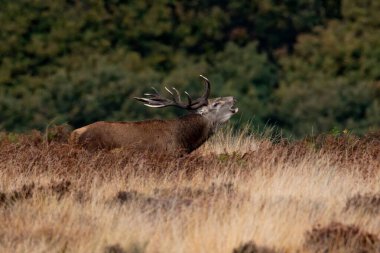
(156, 100)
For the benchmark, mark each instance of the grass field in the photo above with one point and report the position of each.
(238, 193)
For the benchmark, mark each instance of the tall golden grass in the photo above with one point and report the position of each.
(236, 194)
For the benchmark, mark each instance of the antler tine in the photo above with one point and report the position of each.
(149, 102)
(156, 92)
(168, 90)
(188, 98)
(175, 99)
(203, 100)
(208, 87)
(205, 78)
(178, 95)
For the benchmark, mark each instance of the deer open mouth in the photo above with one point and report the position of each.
(234, 109)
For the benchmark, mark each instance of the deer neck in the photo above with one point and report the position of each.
(193, 131)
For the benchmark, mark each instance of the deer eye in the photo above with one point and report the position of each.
(216, 104)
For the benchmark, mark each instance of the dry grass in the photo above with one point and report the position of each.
(235, 194)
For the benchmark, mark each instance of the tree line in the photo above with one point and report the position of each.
(304, 66)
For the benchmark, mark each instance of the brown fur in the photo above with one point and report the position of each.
(176, 137)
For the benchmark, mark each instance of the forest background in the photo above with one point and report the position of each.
(304, 66)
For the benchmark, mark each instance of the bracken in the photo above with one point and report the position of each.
(337, 237)
(366, 203)
(251, 247)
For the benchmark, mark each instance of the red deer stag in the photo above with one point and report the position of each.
(176, 137)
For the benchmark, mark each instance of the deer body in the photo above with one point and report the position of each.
(174, 137)
(180, 136)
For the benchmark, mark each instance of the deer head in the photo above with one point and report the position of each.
(217, 111)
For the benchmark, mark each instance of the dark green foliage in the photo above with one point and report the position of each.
(247, 75)
(332, 78)
(302, 65)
